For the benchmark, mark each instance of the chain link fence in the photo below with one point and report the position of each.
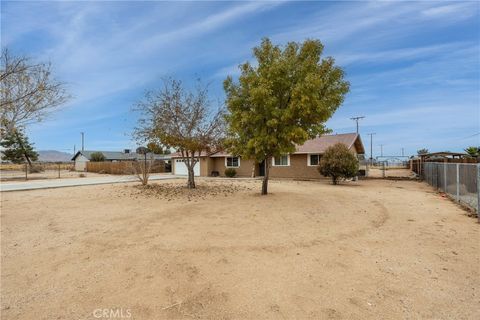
(458, 180)
(38, 170)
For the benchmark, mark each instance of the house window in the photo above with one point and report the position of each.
(232, 162)
(313, 159)
(281, 161)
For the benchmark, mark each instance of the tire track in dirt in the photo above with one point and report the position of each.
(376, 223)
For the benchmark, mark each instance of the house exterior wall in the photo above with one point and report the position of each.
(173, 165)
(244, 170)
(205, 166)
(81, 163)
(298, 168)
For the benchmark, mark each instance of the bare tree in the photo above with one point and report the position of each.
(142, 167)
(28, 92)
(182, 120)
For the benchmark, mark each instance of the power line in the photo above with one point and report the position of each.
(473, 135)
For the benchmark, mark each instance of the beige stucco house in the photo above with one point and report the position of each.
(301, 164)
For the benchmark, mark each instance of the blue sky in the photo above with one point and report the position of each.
(414, 67)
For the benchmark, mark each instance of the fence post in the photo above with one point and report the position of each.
(445, 165)
(478, 191)
(458, 182)
(439, 187)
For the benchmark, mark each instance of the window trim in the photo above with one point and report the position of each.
(309, 163)
(281, 165)
(226, 163)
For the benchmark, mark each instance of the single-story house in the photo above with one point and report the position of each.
(82, 157)
(301, 164)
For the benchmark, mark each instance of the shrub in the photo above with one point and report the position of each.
(473, 151)
(35, 168)
(338, 162)
(230, 172)
(97, 157)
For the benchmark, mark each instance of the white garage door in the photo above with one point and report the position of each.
(181, 168)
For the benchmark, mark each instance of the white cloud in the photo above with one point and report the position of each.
(212, 22)
(402, 53)
(455, 11)
(372, 22)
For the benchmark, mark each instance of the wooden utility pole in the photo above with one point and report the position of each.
(356, 120)
(83, 140)
(371, 147)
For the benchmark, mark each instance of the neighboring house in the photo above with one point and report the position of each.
(82, 157)
(301, 164)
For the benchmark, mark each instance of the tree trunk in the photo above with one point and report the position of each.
(23, 149)
(191, 178)
(253, 168)
(334, 180)
(265, 177)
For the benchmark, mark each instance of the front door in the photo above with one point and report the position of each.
(261, 168)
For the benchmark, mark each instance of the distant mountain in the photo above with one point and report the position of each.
(53, 156)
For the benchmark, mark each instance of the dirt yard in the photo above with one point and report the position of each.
(371, 249)
(376, 172)
(19, 176)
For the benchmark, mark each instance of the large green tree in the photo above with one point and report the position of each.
(282, 100)
(17, 148)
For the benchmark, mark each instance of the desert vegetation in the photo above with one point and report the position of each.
(338, 163)
(181, 119)
(29, 93)
(282, 100)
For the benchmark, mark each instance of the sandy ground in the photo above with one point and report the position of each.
(371, 249)
(19, 176)
(391, 172)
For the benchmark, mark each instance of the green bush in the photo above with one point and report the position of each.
(230, 172)
(97, 157)
(338, 162)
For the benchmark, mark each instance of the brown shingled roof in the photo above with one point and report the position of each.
(320, 144)
(316, 145)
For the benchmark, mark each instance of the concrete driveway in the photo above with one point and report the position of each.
(73, 182)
